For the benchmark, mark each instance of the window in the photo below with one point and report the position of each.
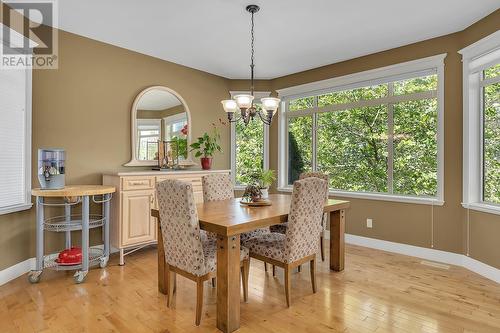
(250, 144)
(377, 134)
(15, 138)
(174, 125)
(148, 134)
(481, 66)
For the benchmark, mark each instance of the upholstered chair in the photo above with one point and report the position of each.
(220, 187)
(283, 226)
(299, 244)
(185, 252)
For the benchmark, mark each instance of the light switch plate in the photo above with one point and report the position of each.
(369, 223)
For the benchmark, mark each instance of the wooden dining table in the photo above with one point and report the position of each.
(228, 219)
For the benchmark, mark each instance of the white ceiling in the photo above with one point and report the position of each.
(291, 35)
(157, 100)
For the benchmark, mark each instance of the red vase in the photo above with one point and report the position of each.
(206, 163)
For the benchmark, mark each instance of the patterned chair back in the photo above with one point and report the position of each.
(180, 226)
(319, 175)
(217, 187)
(304, 219)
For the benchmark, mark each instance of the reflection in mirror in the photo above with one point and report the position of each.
(160, 116)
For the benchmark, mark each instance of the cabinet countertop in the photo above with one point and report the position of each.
(163, 172)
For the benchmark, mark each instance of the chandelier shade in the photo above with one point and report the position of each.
(244, 103)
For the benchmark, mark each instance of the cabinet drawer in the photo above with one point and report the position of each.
(138, 183)
(194, 180)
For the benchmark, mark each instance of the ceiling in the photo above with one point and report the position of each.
(291, 35)
(157, 100)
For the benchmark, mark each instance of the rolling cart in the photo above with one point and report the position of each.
(72, 196)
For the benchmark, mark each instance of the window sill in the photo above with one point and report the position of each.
(13, 209)
(482, 207)
(381, 197)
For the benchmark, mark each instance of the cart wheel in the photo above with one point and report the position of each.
(34, 276)
(103, 262)
(79, 276)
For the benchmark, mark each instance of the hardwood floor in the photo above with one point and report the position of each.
(377, 292)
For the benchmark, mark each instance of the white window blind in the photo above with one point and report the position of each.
(15, 140)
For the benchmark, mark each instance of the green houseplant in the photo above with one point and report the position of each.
(264, 179)
(205, 147)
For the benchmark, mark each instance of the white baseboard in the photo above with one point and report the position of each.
(15, 271)
(456, 259)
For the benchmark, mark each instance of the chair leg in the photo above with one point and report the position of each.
(322, 248)
(170, 285)
(274, 270)
(199, 301)
(312, 266)
(213, 282)
(245, 270)
(265, 266)
(287, 285)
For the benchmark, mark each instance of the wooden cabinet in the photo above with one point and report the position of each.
(132, 226)
(138, 225)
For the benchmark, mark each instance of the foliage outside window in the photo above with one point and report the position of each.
(378, 138)
(249, 150)
(491, 134)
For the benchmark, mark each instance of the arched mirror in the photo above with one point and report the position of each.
(159, 114)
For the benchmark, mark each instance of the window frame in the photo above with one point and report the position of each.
(475, 58)
(27, 204)
(257, 96)
(401, 71)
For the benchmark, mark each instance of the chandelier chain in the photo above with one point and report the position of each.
(252, 54)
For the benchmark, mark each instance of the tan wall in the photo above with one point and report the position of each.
(411, 223)
(84, 107)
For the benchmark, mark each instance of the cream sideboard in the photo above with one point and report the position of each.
(132, 226)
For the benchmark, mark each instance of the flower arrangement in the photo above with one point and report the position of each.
(207, 145)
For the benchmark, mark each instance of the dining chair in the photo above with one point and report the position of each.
(281, 228)
(185, 252)
(300, 242)
(220, 187)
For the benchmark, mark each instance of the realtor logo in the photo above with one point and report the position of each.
(28, 38)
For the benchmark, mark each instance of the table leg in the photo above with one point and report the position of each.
(105, 214)
(85, 233)
(337, 245)
(162, 274)
(67, 214)
(39, 233)
(228, 283)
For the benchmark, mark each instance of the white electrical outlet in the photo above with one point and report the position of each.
(369, 223)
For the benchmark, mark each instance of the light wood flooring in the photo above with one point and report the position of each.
(377, 292)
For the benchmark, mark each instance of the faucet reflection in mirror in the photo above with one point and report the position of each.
(243, 103)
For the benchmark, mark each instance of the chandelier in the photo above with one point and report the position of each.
(244, 104)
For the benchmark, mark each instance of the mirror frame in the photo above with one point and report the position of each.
(133, 160)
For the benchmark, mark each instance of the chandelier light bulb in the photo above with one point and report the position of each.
(243, 101)
(229, 105)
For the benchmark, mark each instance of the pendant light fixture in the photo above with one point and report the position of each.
(244, 104)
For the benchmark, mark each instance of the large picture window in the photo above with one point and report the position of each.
(376, 134)
(481, 66)
(249, 146)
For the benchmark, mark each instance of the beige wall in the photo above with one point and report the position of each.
(412, 223)
(84, 107)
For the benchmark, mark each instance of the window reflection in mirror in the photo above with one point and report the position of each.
(160, 116)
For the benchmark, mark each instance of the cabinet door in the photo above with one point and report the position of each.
(138, 225)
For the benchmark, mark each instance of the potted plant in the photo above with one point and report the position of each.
(252, 193)
(264, 179)
(205, 147)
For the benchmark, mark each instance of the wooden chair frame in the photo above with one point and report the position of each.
(288, 267)
(167, 275)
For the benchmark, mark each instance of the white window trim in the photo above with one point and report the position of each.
(395, 72)
(475, 58)
(258, 95)
(27, 150)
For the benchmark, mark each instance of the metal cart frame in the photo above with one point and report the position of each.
(91, 256)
